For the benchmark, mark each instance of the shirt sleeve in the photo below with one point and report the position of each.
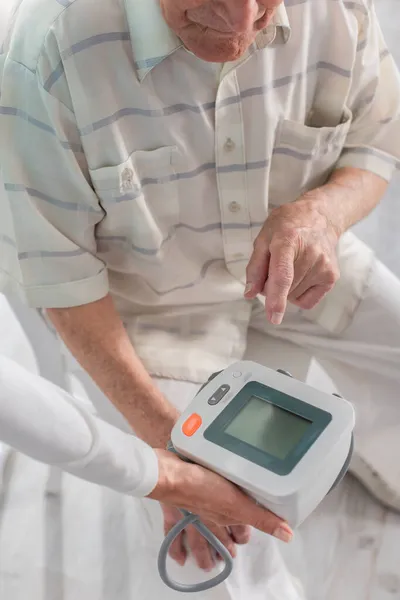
(47, 424)
(48, 210)
(372, 143)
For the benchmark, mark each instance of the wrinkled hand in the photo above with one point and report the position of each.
(189, 486)
(201, 550)
(294, 258)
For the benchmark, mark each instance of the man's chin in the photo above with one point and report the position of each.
(217, 49)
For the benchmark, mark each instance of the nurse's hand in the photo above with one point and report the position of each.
(294, 257)
(216, 501)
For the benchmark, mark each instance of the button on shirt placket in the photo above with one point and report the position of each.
(231, 177)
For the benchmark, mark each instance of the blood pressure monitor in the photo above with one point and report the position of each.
(284, 443)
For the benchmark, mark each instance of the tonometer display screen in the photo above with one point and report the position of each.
(268, 427)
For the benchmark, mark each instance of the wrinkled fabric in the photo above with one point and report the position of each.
(155, 186)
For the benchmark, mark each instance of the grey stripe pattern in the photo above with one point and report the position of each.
(113, 36)
(41, 253)
(303, 155)
(366, 101)
(355, 6)
(218, 226)
(250, 166)
(209, 106)
(389, 120)
(64, 204)
(198, 171)
(50, 254)
(362, 44)
(286, 80)
(105, 240)
(148, 63)
(384, 54)
(292, 153)
(146, 112)
(203, 274)
(7, 240)
(54, 76)
(95, 40)
(16, 112)
(233, 168)
(327, 66)
(279, 83)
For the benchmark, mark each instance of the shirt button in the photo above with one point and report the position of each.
(229, 145)
(127, 179)
(234, 207)
(127, 175)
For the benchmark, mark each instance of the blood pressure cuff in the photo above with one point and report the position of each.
(345, 466)
(170, 446)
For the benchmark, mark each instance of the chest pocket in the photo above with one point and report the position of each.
(140, 198)
(303, 158)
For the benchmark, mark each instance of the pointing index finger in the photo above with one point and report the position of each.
(280, 279)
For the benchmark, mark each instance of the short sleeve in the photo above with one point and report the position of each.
(48, 208)
(372, 143)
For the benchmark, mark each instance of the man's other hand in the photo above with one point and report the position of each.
(294, 258)
(202, 552)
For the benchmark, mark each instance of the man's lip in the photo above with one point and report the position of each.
(205, 28)
(264, 17)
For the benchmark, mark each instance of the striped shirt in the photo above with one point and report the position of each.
(130, 166)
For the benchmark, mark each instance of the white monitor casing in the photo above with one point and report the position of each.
(293, 496)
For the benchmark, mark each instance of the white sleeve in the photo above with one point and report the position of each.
(44, 422)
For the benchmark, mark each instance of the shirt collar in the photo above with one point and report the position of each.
(152, 40)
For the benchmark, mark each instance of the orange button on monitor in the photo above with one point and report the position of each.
(192, 424)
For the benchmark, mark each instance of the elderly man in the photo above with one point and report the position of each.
(181, 172)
